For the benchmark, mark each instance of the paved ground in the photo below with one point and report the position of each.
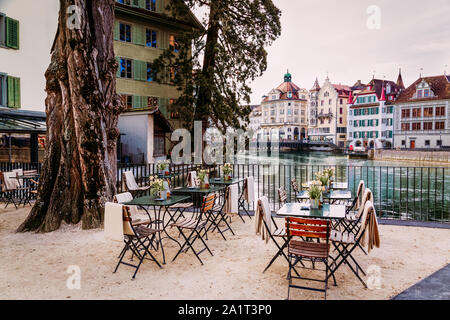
(435, 287)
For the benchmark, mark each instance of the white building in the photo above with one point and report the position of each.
(285, 109)
(422, 114)
(371, 114)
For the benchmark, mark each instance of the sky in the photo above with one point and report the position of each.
(329, 36)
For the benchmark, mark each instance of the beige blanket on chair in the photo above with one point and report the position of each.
(113, 221)
(231, 202)
(262, 214)
(371, 232)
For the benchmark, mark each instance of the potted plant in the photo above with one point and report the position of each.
(202, 176)
(323, 179)
(330, 173)
(163, 167)
(157, 188)
(227, 171)
(315, 194)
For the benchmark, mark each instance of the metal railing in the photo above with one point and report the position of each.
(402, 193)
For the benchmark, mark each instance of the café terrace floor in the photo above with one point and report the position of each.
(34, 266)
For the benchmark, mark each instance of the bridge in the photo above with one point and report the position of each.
(299, 145)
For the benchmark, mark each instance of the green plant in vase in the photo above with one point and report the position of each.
(323, 179)
(157, 188)
(202, 177)
(227, 171)
(330, 173)
(315, 194)
(163, 167)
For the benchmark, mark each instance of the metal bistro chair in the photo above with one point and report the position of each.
(130, 185)
(282, 195)
(299, 250)
(194, 226)
(12, 188)
(125, 198)
(138, 240)
(295, 188)
(241, 202)
(346, 243)
(278, 233)
(218, 215)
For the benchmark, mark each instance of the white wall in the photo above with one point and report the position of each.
(138, 136)
(37, 28)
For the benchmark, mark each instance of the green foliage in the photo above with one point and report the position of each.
(214, 65)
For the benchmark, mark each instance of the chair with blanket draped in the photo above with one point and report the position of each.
(137, 238)
(130, 185)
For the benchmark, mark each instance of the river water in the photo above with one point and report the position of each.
(402, 190)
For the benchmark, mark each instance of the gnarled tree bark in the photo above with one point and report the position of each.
(79, 169)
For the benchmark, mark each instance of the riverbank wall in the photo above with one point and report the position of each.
(432, 157)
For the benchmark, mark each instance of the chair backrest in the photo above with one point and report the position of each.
(130, 182)
(127, 222)
(208, 203)
(368, 210)
(123, 197)
(360, 193)
(10, 179)
(368, 196)
(295, 186)
(264, 207)
(309, 228)
(30, 172)
(282, 195)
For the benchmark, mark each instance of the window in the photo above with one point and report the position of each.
(419, 93)
(152, 102)
(428, 126)
(406, 127)
(322, 102)
(417, 113)
(440, 111)
(439, 125)
(127, 2)
(428, 112)
(417, 126)
(426, 93)
(439, 143)
(9, 32)
(403, 142)
(3, 91)
(341, 101)
(173, 43)
(341, 120)
(341, 110)
(329, 102)
(125, 68)
(281, 111)
(427, 143)
(127, 101)
(406, 113)
(125, 32)
(150, 5)
(151, 38)
(150, 75)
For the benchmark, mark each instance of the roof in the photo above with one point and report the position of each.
(342, 90)
(286, 87)
(22, 121)
(190, 20)
(440, 85)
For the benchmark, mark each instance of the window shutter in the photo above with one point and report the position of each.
(162, 104)
(12, 33)
(142, 4)
(144, 71)
(138, 35)
(159, 5)
(10, 84)
(136, 102)
(118, 67)
(144, 102)
(135, 3)
(116, 30)
(138, 69)
(17, 92)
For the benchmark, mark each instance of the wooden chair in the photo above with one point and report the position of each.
(282, 195)
(217, 216)
(300, 250)
(194, 226)
(278, 235)
(130, 185)
(138, 240)
(126, 197)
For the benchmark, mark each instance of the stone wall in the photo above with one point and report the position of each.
(413, 155)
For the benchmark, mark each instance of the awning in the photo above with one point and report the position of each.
(20, 121)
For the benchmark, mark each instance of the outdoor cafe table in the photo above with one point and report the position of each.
(27, 196)
(160, 225)
(332, 196)
(227, 183)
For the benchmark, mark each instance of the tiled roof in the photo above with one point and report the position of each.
(440, 85)
(343, 90)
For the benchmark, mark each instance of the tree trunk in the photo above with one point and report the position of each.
(79, 169)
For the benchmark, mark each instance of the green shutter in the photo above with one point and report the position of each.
(135, 3)
(159, 5)
(136, 102)
(142, 4)
(144, 102)
(12, 33)
(140, 70)
(116, 30)
(17, 92)
(118, 67)
(138, 35)
(162, 104)
(10, 84)
(144, 71)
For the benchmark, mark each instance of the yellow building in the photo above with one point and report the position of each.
(141, 34)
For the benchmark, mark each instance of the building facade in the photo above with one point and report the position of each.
(255, 120)
(328, 113)
(142, 32)
(371, 114)
(422, 114)
(285, 109)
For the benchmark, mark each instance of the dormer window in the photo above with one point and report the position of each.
(289, 95)
(419, 93)
(388, 88)
(426, 93)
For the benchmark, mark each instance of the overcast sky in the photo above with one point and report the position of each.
(320, 36)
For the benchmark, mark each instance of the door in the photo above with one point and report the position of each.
(412, 144)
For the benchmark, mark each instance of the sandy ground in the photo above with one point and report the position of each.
(34, 266)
